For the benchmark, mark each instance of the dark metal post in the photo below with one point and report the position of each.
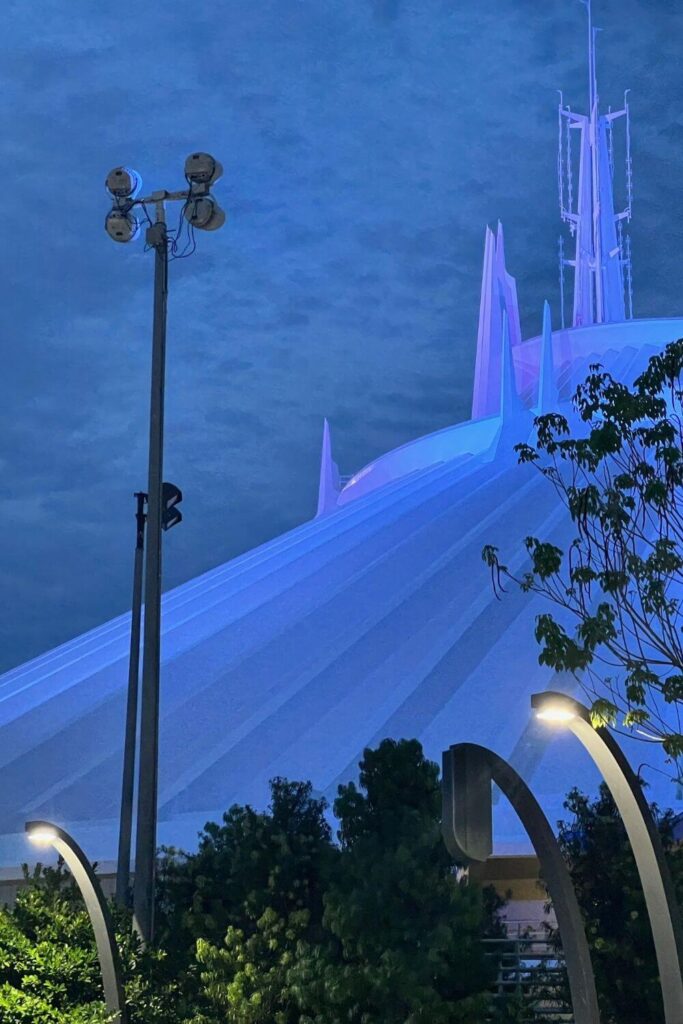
(145, 845)
(128, 783)
(98, 911)
(468, 771)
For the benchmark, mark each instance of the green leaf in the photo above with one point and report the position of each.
(603, 713)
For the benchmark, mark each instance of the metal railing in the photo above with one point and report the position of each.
(531, 974)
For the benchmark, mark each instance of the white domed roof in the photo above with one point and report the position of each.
(375, 619)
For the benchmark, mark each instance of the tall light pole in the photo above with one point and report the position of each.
(45, 833)
(646, 843)
(201, 211)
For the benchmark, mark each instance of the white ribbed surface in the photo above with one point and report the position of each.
(376, 620)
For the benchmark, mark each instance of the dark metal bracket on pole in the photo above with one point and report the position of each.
(646, 843)
(467, 828)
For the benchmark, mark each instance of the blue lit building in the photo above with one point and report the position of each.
(376, 618)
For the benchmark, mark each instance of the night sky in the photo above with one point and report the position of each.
(366, 144)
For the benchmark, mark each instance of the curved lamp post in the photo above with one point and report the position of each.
(655, 878)
(47, 834)
(467, 828)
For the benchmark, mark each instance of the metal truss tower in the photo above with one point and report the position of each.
(602, 259)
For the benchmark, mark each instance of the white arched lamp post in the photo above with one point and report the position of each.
(655, 877)
(44, 833)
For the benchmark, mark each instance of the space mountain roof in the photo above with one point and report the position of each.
(377, 618)
(374, 619)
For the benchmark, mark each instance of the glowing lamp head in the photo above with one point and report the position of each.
(40, 834)
(555, 708)
(557, 714)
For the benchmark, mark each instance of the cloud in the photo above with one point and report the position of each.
(365, 147)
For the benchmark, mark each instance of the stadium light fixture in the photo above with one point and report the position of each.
(201, 211)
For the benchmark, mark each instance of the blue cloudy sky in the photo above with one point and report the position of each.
(366, 144)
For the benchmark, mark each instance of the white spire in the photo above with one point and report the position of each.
(329, 487)
(547, 388)
(510, 402)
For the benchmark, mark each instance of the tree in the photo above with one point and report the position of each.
(246, 980)
(404, 942)
(610, 895)
(251, 862)
(48, 966)
(49, 970)
(270, 922)
(245, 900)
(618, 584)
(380, 931)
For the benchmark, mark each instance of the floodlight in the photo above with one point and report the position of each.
(41, 834)
(122, 227)
(204, 213)
(123, 183)
(202, 169)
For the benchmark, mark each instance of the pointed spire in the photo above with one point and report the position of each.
(508, 288)
(498, 293)
(510, 402)
(329, 487)
(500, 242)
(547, 388)
(487, 367)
